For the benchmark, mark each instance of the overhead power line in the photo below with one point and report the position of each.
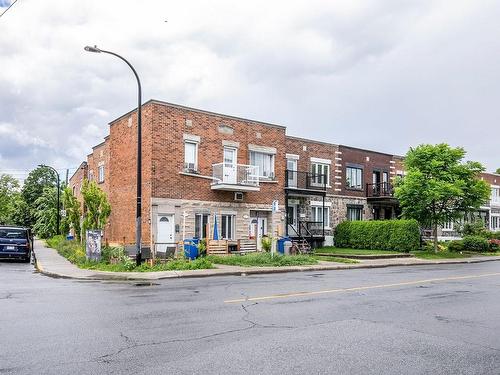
(10, 6)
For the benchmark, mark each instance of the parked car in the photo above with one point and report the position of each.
(16, 243)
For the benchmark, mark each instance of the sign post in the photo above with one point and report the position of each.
(275, 209)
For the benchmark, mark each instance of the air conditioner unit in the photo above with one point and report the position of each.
(238, 196)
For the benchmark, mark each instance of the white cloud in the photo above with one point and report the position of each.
(378, 74)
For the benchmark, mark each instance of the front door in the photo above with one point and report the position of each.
(291, 166)
(164, 232)
(292, 220)
(229, 166)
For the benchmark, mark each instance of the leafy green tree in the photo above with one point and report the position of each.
(33, 188)
(73, 212)
(497, 171)
(96, 205)
(439, 186)
(9, 189)
(20, 214)
(46, 213)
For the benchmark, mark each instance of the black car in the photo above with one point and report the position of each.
(16, 243)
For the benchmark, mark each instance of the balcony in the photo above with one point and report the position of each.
(235, 177)
(381, 192)
(305, 182)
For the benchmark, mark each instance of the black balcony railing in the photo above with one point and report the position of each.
(382, 189)
(305, 180)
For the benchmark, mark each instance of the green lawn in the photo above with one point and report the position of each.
(75, 253)
(449, 254)
(336, 259)
(263, 260)
(337, 250)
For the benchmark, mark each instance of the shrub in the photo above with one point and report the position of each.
(494, 244)
(456, 246)
(475, 228)
(475, 243)
(400, 235)
(266, 243)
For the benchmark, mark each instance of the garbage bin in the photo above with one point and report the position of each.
(280, 244)
(70, 237)
(287, 245)
(190, 248)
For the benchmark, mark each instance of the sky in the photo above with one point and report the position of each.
(381, 75)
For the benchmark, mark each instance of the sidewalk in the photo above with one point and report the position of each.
(50, 263)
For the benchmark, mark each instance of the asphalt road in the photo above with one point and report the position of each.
(401, 320)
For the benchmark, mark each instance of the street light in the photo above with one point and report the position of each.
(139, 153)
(58, 194)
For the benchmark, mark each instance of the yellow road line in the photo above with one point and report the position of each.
(329, 291)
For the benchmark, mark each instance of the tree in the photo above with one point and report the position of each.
(439, 186)
(33, 188)
(73, 212)
(9, 190)
(497, 171)
(46, 213)
(96, 205)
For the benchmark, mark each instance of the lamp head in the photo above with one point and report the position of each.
(92, 49)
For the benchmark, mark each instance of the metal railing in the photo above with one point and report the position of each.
(235, 174)
(305, 180)
(382, 189)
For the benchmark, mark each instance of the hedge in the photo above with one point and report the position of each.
(400, 235)
(475, 243)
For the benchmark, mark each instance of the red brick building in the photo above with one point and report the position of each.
(199, 166)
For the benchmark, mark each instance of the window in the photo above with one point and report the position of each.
(101, 174)
(190, 156)
(320, 215)
(227, 227)
(495, 195)
(320, 174)
(91, 175)
(264, 161)
(354, 213)
(200, 225)
(495, 223)
(448, 226)
(354, 178)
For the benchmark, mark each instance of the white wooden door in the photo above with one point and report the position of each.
(229, 169)
(164, 232)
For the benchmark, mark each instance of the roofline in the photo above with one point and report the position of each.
(375, 152)
(99, 145)
(77, 169)
(311, 140)
(173, 105)
(491, 174)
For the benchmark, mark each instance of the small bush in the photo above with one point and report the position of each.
(475, 243)
(456, 246)
(400, 235)
(266, 243)
(494, 244)
(476, 228)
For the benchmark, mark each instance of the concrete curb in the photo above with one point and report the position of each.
(151, 276)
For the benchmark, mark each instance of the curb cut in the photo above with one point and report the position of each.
(109, 276)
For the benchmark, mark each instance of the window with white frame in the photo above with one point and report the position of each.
(495, 223)
(190, 156)
(264, 161)
(354, 213)
(320, 174)
(495, 195)
(227, 227)
(321, 214)
(200, 225)
(100, 172)
(448, 226)
(354, 178)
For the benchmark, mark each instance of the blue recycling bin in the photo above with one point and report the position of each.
(191, 248)
(280, 244)
(70, 237)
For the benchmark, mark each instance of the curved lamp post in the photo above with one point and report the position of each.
(139, 153)
(58, 195)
